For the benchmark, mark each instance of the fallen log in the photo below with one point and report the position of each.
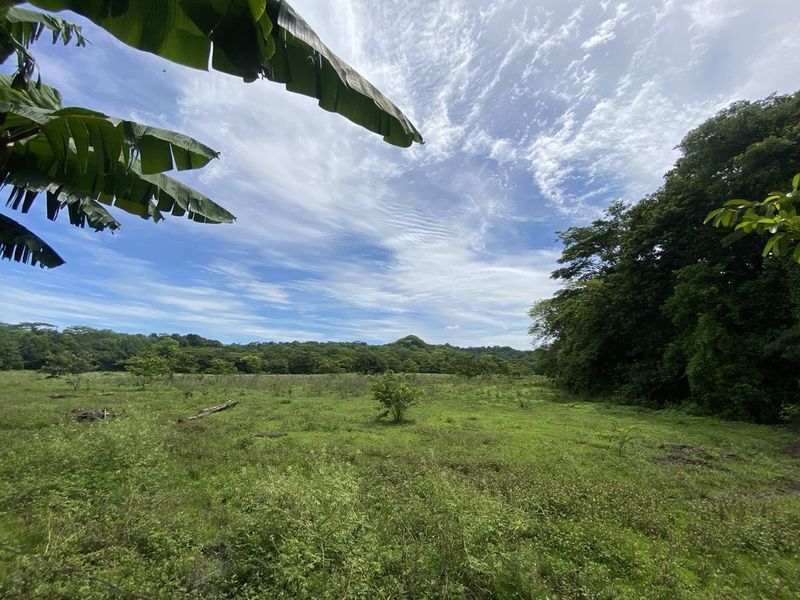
(211, 410)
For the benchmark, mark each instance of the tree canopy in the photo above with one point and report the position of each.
(659, 308)
(33, 346)
(83, 161)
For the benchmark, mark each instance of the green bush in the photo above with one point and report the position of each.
(69, 365)
(394, 396)
(145, 368)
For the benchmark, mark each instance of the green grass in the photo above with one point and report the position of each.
(494, 489)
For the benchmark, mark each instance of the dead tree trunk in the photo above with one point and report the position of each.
(211, 410)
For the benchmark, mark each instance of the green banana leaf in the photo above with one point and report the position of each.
(250, 39)
(28, 93)
(19, 28)
(19, 244)
(33, 167)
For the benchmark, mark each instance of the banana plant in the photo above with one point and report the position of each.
(83, 161)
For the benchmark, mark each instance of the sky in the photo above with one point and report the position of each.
(536, 114)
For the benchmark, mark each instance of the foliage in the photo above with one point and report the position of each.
(251, 363)
(252, 40)
(394, 396)
(82, 160)
(775, 215)
(659, 310)
(146, 368)
(477, 498)
(193, 354)
(69, 365)
(10, 355)
(220, 366)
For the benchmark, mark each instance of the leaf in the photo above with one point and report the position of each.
(250, 39)
(738, 203)
(713, 214)
(796, 182)
(157, 26)
(19, 28)
(309, 67)
(728, 218)
(82, 210)
(145, 195)
(29, 94)
(27, 25)
(19, 244)
(156, 157)
(79, 130)
(187, 152)
(771, 243)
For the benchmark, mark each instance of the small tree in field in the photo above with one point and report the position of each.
(394, 396)
(70, 365)
(145, 368)
(220, 366)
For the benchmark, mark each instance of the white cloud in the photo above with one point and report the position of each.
(607, 29)
(526, 108)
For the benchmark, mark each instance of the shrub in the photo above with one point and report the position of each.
(145, 368)
(220, 366)
(70, 365)
(394, 396)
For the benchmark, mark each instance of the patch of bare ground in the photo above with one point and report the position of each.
(792, 449)
(684, 454)
(781, 487)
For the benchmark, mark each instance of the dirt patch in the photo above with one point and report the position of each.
(61, 396)
(781, 487)
(792, 449)
(683, 454)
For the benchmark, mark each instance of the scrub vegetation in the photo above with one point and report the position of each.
(492, 487)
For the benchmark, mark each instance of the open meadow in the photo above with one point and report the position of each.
(494, 488)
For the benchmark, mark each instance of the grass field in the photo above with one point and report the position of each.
(494, 489)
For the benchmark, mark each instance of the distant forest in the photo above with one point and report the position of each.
(35, 345)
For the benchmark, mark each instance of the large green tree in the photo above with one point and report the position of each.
(659, 308)
(82, 161)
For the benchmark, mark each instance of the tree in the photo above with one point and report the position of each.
(220, 366)
(83, 160)
(145, 368)
(69, 365)
(661, 310)
(10, 355)
(394, 396)
(251, 364)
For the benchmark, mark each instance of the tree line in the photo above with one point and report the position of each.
(42, 346)
(661, 309)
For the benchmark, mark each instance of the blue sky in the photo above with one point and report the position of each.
(536, 115)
